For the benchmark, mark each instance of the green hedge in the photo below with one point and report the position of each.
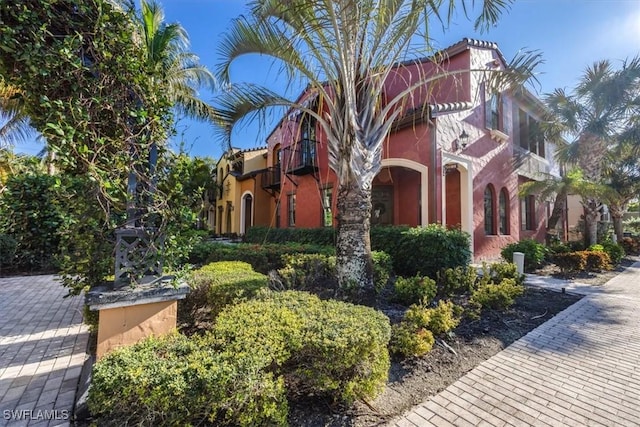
(323, 236)
(534, 253)
(263, 258)
(427, 250)
(182, 381)
(8, 247)
(328, 348)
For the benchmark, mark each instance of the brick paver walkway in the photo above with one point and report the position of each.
(581, 368)
(42, 349)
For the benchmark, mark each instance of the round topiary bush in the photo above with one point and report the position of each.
(534, 253)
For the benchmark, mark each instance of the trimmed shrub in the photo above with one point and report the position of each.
(456, 281)
(439, 320)
(387, 238)
(326, 348)
(533, 251)
(322, 236)
(597, 260)
(417, 289)
(631, 245)
(263, 258)
(558, 248)
(596, 248)
(427, 250)
(175, 380)
(614, 250)
(382, 269)
(409, 342)
(215, 286)
(305, 271)
(570, 262)
(504, 270)
(498, 296)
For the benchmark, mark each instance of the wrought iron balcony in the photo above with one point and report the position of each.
(301, 157)
(271, 178)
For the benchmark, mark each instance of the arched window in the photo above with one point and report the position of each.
(489, 210)
(503, 211)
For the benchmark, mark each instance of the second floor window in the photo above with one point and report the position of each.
(531, 136)
(494, 112)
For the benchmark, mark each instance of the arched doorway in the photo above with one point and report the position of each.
(246, 214)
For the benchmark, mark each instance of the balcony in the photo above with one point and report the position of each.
(271, 178)
(301, 158)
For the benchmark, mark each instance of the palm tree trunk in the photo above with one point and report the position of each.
(556, 215)
(591, 222)
(353, 247)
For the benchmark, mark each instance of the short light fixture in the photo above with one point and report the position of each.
(464, 136)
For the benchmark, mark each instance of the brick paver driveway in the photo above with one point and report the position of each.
(42, 349)
(581, 368)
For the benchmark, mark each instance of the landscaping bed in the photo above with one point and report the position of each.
(600, 278)
(411, 381)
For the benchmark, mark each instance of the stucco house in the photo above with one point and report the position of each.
(457, 156)
(241, 203)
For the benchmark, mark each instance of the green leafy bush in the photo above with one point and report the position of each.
(498, 296)
(439, 320)
(215, 286)
(8, 247)
(387, 238)
(533, 251)
(456, 281)
(427, 250)
(305, 271)
(328, 348)
(31, 211)
(176, 380)
(382, 269)
(614, 250)
(504, 270)
(596, 248)
(409, 342)
(557, 248)
(415, 289)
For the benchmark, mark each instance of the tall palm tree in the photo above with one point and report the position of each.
(621, 182)
(170, 65)
(14, 123)
(598, 109)
(345, 50)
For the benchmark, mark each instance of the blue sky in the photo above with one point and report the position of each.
(571, 34)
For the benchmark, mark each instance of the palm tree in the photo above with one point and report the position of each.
(170, 65)
(345, 50)
(622, 183)
(556, 188)
(598, 109)
(14, 123)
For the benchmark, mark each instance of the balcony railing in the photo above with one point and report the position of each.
(301, 157)
(271, 178)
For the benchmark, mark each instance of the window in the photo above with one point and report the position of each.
(503, 211)
(327, 215)
(291, 210)
(494, 112)
(528, 213)
(531, 136)
(489, 209)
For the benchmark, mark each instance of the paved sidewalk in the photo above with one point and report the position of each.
(42, 349)
(581, 368)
